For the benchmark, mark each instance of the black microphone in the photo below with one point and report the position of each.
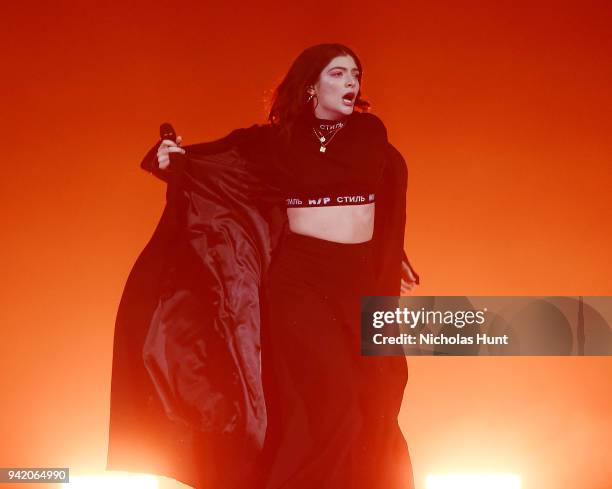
(149, 162)
(166, 131)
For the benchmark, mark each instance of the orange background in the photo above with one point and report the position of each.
(501, 109)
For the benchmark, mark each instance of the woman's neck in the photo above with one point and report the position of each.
(313, 119)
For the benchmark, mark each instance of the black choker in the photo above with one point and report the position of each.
(330, 126)
(324, 125)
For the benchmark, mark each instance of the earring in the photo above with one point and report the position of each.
(310, 98)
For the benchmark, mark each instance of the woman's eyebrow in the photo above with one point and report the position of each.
(342, 68)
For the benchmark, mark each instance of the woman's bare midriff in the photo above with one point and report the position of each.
(341, 224)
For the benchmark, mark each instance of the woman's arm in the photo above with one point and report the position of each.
(252, 141)
(410, 278)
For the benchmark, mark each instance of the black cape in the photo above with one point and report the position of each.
(186, 394)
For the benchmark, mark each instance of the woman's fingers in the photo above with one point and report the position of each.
(166, 143)
(406, 287)
(179, 140)
(166, 147)
(408, 273)
(408, 280)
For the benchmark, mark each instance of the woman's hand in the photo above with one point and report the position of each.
(166, 147)
(409, 278)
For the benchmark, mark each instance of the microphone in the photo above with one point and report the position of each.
(149, 162)
(166, 131)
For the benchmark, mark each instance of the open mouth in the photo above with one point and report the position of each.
(349, 97)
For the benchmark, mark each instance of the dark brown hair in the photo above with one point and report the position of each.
(290, 99)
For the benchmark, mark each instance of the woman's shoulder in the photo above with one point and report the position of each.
(394, 160)
(371, 123)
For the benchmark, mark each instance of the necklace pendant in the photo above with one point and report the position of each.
(322, 139)
(322, 149)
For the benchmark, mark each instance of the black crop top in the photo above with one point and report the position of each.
(347, 173)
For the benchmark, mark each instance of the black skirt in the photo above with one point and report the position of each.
(332, 413)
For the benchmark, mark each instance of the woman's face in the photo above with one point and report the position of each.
(336, 89)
